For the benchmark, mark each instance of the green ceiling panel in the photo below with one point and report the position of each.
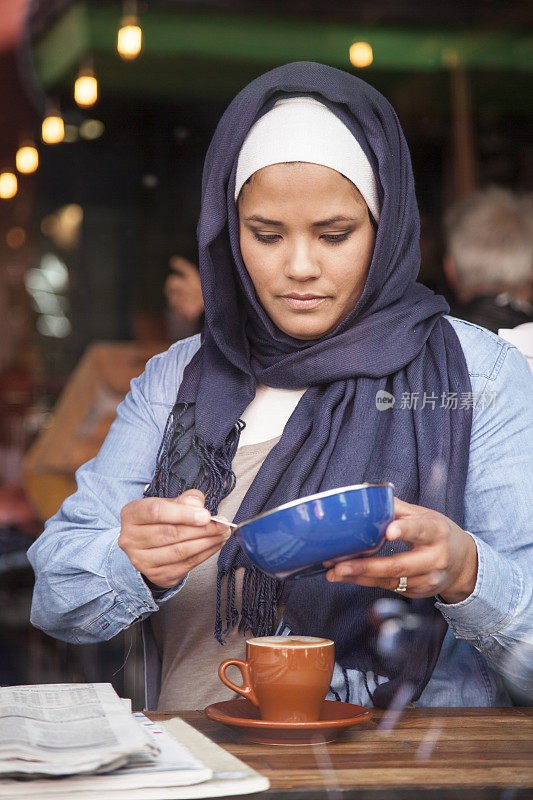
(212, 54)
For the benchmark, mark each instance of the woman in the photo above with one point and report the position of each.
(308, 243)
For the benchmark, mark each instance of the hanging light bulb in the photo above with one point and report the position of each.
(86, 87)
(129, 39)
(8, 185)
(53, 128)
(27, 158)
(361, 54)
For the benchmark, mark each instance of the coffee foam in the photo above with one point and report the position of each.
(289, 641)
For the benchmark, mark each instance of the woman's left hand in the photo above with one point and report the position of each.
(442, 558)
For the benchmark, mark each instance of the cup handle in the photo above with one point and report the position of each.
(246, 688)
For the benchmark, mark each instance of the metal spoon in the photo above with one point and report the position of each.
(231, 525)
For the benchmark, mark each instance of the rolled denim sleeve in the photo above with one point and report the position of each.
(497, 618)
(86, 588)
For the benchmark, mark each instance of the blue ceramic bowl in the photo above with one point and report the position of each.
(294, 539)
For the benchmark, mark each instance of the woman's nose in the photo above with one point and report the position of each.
(301, 263)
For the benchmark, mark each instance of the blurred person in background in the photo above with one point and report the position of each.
(183, 293)
(489, 258)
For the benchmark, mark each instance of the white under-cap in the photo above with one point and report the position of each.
(304, 129)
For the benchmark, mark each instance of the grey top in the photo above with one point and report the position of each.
(183, 627)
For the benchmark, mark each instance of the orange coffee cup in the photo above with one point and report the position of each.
(287, 677)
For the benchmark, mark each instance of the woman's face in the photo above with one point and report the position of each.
(307, 242)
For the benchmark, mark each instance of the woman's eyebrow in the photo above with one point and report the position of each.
(322, 224)
(264, 221)
(326, 222)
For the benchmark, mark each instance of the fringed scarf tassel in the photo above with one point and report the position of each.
(216, 479)
(260, 597)
(166, 456)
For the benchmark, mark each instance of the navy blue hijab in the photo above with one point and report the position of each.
(395, 339)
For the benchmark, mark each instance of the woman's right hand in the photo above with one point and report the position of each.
(165, 538)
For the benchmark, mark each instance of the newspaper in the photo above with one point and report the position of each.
(171, 765)
(176, 773)
(66, 729)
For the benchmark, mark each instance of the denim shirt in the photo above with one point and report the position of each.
(87, 590)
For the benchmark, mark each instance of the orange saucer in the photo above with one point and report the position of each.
(334, 718)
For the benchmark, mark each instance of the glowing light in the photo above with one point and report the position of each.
(46, 302)
(64, 227)
(15, 237)
(361, 54)
(129, 39)
(53, 129)
(8, 185)
(86, 89)
(27, 159)
(71, 133)
(55, 272)
(46, 284)
(50, 277)
(91, 129)
(49, 325)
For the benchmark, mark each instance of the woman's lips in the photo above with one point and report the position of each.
(302, 302)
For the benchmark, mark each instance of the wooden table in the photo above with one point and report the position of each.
(437, 753)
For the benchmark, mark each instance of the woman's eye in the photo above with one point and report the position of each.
(336, 237)
(266, 239)
(333, 238)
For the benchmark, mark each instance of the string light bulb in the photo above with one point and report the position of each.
(8, 185)
(53, 128)
(129, 38)
(27, 158)
(361, 54)
(86, 88)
